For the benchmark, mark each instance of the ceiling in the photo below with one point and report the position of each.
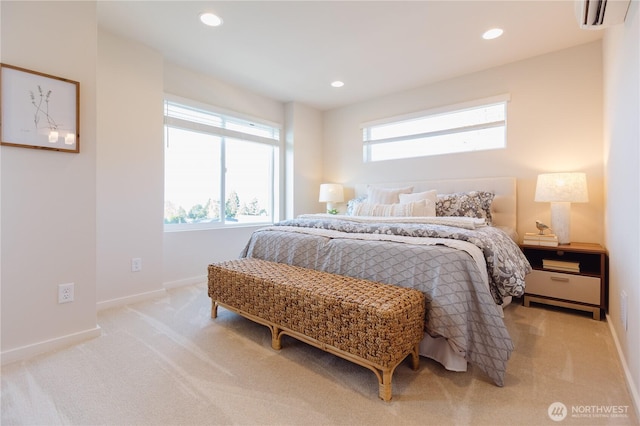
(293, 50)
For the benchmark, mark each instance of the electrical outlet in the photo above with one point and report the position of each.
(136, 264)
(624, 309)
(65, 293)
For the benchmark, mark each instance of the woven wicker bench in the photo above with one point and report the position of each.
(371, 324)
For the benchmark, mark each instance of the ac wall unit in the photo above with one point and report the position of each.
(598, 14)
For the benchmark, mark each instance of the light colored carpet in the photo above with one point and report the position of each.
(167, 362)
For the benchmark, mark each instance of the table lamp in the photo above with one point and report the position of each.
(331, 193)
(561, 189)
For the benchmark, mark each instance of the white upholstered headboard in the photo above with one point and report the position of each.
(503, 209)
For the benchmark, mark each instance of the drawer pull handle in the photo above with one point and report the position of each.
(563, 279)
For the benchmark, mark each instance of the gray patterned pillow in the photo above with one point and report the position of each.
(469, 204)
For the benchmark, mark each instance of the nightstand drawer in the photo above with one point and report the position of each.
(576, 288)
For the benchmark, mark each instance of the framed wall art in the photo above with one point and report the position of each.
(38, 110)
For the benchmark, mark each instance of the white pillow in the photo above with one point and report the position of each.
(386, 195)
(418, 208)
(430, 198)
(417, 196)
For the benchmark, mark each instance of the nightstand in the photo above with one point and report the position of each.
(571, 276)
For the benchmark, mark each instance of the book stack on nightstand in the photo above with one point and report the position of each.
(570, 276)
(537, 239)
(561, 265)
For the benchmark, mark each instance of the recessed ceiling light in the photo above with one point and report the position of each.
(492, 33)
(337, 83)
(210, 19)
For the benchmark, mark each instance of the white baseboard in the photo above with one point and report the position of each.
(140, 297)
(127, 300)
(24, 352)
(631, 385)
(187, 281)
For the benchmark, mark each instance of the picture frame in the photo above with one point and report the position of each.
(38, 110)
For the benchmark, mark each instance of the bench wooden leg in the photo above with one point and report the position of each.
(275, 338)
(385, 385)
(415, 357)
(384, 380)
(214, 309)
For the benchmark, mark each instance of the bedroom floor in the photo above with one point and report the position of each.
(166, 362)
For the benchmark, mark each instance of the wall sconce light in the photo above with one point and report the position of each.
(561, 189)
(331, 193)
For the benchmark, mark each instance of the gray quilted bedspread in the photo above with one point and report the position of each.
(460, 307)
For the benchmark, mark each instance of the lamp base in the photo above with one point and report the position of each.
(561, 221)
(332, 208)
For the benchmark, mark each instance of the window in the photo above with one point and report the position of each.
(473, 126)
(219, 169)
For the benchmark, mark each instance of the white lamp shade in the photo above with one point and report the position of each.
(331, 193)
(562, 187)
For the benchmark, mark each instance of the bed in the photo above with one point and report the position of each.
(454, 240)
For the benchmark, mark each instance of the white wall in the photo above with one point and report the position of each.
(0, 200)
(130, 170)
(622, 162)
(49, 198)
(554, 124)
(210, 90)
(304, 167)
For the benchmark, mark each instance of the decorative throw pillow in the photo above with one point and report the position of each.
(422, 208)
(386, 195)
(417, 208)
(469, 204)
(352, 203)
(430, 198)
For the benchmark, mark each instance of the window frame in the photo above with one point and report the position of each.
(366, 127)
(224, 133)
